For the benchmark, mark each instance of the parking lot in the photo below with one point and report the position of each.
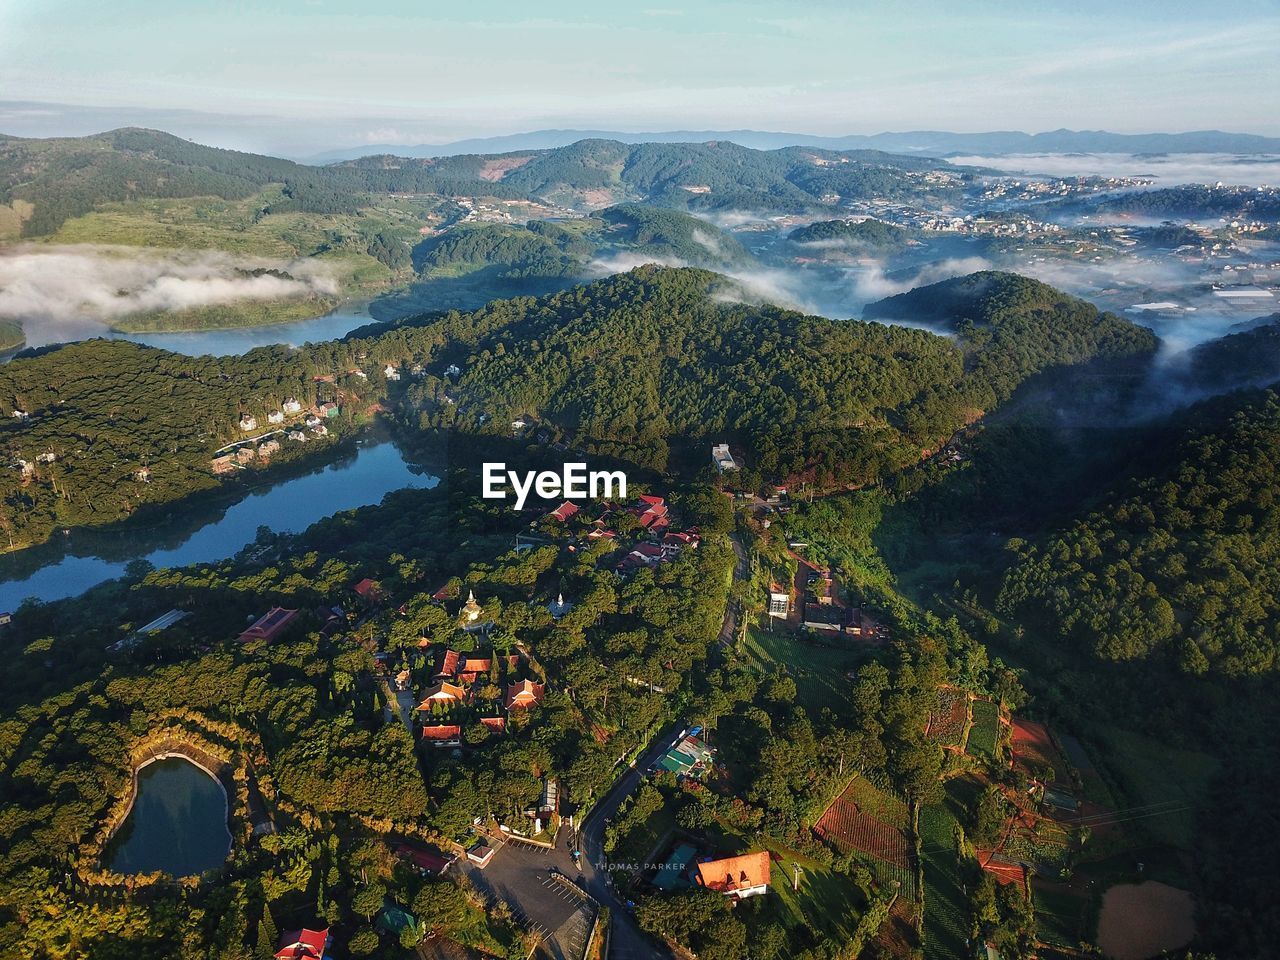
(554, 908)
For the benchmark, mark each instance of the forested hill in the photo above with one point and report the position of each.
(1250, 358)
(46, 182)
(1182, 564)
(633, 365)
(663, 355)
(1013, 326)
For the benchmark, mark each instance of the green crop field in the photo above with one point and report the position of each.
(984, 734)
(945, 904)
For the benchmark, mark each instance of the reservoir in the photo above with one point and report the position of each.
(178, 823)
(233, 340)
(290, 506)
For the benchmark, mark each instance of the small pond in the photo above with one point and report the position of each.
(178, 823)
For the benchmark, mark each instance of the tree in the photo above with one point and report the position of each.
(363, 942)
(368, 900)
(268, 935)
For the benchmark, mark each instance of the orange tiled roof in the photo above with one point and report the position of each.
(735, 873)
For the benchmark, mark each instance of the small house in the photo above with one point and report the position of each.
(737, 877)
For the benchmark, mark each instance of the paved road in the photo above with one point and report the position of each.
(628, 941)
(729, 628)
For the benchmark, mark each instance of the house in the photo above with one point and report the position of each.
(447, 668)
(563, 512)
(369, 590)
(246, 455)
(21, 415)
(329, 409)
(269, 626)
(443, 735)
(391, 372)
(442, 692)
(779, 601)
(268, 448)
(823, 616)
(722, 459)
(644, 555)
(247, 422)
(480, 855)
(320, 430)
(526, 693)
(738, 877)
(142, 474)
(550, 796)
(452, 370)
(221, 465)
(689, 756)
(651, 512)
(472, 668)
(495, 724)
(291, 406)
(303, 945)
(311, 420)
(518, 424)
(275, 416)
(428, 861)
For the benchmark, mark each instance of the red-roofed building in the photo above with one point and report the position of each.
(369, 590)
(269, 626)
(426, 861)
(643, 555)
(443, 594)
(447, 665)
(303, 945)
(443, 734)
(444, 692)
(526, 693)
(472, 667)
(740, 877)
(651, 512)
(496, 724)
(563, 512)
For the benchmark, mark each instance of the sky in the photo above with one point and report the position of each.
(306, 76)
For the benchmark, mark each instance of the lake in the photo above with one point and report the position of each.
(236, 340)
(178, 823)
(290, 506)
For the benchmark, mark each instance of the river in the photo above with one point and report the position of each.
(289, 506)
(178, 823)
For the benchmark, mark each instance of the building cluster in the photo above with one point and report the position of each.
(658, 543)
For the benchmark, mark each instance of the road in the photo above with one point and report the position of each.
(628, 941)
(729, 628)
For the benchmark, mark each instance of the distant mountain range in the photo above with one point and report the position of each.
(937, 143)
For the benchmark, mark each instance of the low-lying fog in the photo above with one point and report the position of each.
(71, 292)
(1169, 169)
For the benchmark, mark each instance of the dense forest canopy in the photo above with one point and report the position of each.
(68, 177)
(1181, 563)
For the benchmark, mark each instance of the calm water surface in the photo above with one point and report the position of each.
(289, 506)
(178, 823)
